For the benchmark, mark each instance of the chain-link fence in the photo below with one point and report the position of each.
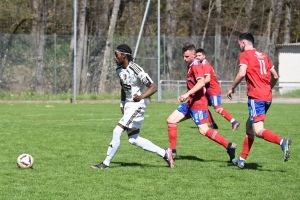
(19, 61)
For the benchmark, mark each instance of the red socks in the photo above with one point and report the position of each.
(172, 132)
(248, 141)
(217, 137)
(265, 134)
(270, 136)
(225, 114)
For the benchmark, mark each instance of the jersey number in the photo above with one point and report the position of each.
(262, 67)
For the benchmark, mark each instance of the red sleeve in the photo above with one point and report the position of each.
(198, 71)
(206, 69)
(243, 60)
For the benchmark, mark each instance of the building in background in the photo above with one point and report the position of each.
(289, 67)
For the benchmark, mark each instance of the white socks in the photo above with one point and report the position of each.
(114, 145)
(133, 139)
(146, 144)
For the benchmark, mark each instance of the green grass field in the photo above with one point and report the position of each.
(65, 139)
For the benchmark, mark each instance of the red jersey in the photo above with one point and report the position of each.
(258, 75)
(197, 101)
(212, 88)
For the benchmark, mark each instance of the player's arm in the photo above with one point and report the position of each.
(147, 81)
(199, 85)
(274, 77)
(239, 77)
(151, 90)
(207, 78)
(123, 99)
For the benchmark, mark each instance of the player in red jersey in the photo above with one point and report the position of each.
(194, 105)
(213, 92)
(261, 77)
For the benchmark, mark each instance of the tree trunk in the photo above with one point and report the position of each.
(248, 10)
(80, 42)
(103, 17)
(265, 43)
(210, 8)
(84, 72)
(287, 23)
(34, 29)
(218, 35)
(277, 21)
(196, 17)
(109, 43)
(171, 43)
(41, 50)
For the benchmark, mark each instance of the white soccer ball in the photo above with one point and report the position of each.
(25, 160)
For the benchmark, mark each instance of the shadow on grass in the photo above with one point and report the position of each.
(255, 166)
(189, 158)
(134, 164)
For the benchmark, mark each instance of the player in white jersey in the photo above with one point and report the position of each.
(133, 105)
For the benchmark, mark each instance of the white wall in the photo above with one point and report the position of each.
(289, 68)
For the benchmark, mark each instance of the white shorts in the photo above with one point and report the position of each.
(133, 115)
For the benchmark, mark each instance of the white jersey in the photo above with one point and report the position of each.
(133, 79)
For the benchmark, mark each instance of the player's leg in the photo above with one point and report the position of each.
(135, 139)
(177, 116)
(112, 148)
(217, 104)
(211, 120)
(210, 117)
(133, 129)
(200, 118)
(257, 116)
(248, 141)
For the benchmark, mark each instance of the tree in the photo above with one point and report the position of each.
(171, 43)
(34, 27)
(287, 22)
(248, 11)
(81, 42)
(210, 8)
(196, 17)
(41, 50)
(277, 21)
(218, 35)
(107, 53)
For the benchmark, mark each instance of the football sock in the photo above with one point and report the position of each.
(217, 137)
(210, 118)
(270, 136)
(114, 145)
(225, 114)
(146, 144)
(172, 133)
(248, 141)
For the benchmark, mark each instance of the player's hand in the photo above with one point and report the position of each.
(229, 93)
(183, 98)
(137, 98)
(122, 110)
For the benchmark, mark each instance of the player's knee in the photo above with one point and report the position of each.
(133, 136)
(170, 120)
(203, 129)
(219, 110)
(258, 133)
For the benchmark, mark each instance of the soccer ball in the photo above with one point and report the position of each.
(25, 161)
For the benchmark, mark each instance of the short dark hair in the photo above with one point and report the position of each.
(188, 47)
(125, 49)
(200, 51)
(247, 36)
